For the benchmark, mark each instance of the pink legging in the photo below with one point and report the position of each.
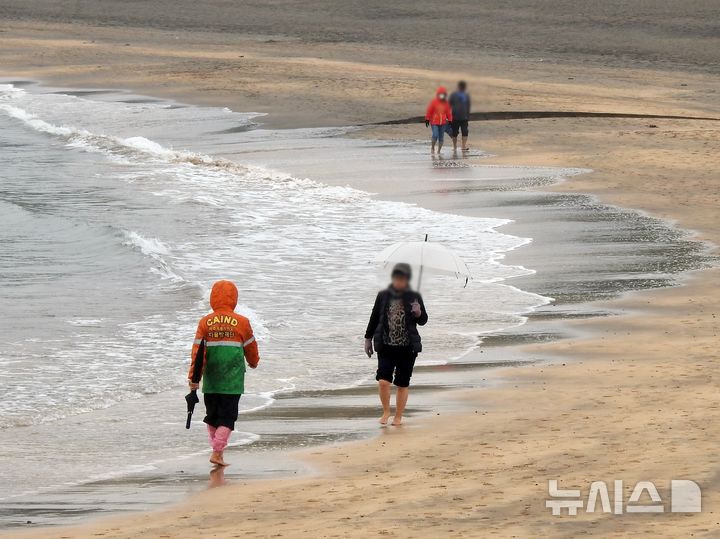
(218, 437)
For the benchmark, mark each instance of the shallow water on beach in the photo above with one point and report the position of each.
(118, 215)
(118, 212)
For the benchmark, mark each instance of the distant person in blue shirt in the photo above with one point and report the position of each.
(460, 104)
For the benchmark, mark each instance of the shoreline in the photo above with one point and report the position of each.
(517, 453)
(427, 399)
(499, 376)
(78, 498)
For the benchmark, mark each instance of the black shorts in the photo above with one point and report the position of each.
(397, 360)
(221, 409)
(458, 126)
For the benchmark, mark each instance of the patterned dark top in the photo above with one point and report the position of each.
(397, 332)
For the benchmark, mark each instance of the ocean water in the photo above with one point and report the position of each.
(117, 214)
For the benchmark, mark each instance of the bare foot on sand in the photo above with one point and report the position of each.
(397, 421)
(384, 418)
(217, 458)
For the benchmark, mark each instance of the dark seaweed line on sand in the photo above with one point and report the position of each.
(526, 115)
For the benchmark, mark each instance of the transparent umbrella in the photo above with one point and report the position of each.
(425, 255)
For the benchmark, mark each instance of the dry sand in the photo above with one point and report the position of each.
(636, 398)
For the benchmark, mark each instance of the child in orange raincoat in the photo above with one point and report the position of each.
(229, 344)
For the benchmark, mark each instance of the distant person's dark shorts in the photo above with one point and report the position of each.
(221, 409)
(458, 126)
(398, 361)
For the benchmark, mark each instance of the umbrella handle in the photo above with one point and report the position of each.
(190, 412)
(421, 266)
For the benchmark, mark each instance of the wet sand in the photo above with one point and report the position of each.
(631, 396)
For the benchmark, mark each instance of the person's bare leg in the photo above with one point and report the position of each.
(454, 139)
(401, 398)
(439, 147)
(220, 441)
(464, 143)
(432, 148)
(384, 390)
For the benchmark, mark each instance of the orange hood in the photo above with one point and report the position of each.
(441, 90)
(224, 295)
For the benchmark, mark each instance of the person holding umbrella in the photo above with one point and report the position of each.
(392, 333)
(227, 340)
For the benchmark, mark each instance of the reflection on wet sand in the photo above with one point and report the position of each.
(217, 477)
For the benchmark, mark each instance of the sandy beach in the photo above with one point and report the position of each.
(632, 396)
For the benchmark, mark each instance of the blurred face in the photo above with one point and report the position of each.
(442, 97)
(400, 282)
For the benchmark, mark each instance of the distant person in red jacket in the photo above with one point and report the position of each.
(437, 116)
